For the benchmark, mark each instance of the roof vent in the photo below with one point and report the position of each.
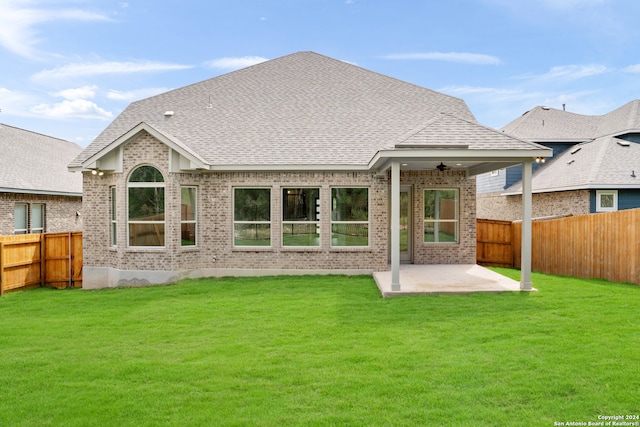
(575, 150)
(544, 107)
(168, 113)
(623, 143)
(571, 161)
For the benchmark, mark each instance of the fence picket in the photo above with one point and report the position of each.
(602, 245)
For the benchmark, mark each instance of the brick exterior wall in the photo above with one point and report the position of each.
(463, 252)
(60, 211)
(509, 208)
(214, 248)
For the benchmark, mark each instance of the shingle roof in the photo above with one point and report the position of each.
(448, 130)
(299, 109)
(549, 124)
(32, 162)
(601, 163)
(602, 158)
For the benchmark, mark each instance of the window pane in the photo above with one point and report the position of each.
(436, 231)
(188, 206)
(188, 234)
(606, 200)
(300, 204)
(252, 204)
(441, 216)
(146, 174)
(300, 234)
(350, 204)
(113, 217)
(252, 234)
(146, 204)
(440, 204)
(146, 234)
(349, 234)
(37, 218)
(20, 219)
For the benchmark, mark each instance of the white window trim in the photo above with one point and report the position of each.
(113, 223)
(26, 219)
(599, 194)
(146, 185)
(316, 223)
(455, 221)
(367, 222)
(233, 217)
(190, 221)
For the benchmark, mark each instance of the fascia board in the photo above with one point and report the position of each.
(578, 187)
(382, 158)
(286, 168)
(39, 192)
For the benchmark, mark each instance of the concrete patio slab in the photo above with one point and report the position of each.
(444, 279)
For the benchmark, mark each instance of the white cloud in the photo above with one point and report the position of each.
(98, 68)
(135, 95)
(76, 109)
(18, 25)
(83, 92)
(478, 90)
(462, 57)
(568, 72)
(234, 63)
(632, 69)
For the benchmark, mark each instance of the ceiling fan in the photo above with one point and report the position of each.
(442, 167)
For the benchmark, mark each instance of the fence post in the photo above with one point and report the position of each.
(70, 262)
(1, 269)
(43, 263)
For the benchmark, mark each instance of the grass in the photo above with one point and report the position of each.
(322, 350)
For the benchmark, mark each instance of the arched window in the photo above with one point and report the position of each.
(145, 199)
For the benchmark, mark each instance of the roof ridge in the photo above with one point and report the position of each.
(36, 133)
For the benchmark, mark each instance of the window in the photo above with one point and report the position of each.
(20, 219)
(28, 218)
(606, 200)
(37, 218)
(252, 217)
(146, 207)
(349, 216)
(441, 216)
(188, 216)
(112, 196)
(300, 217)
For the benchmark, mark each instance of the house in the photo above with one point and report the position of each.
(37, 192)
(301, 164)
(594, 167)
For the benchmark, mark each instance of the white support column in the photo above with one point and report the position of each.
(525, 262)
(395, 226)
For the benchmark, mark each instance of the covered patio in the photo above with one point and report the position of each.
(475, 149)
(445, 279)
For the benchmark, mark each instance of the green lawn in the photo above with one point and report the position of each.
(322, 350)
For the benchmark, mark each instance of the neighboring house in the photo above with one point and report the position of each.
(37, 192)
(299, 164)
(595, 165)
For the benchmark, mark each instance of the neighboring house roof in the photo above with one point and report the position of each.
(37, 164)
(302, 109)
(545, 124)
(604, 163)
(605, 157)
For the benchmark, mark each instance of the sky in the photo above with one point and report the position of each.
(69, 67)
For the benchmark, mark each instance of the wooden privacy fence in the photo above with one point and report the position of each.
(34, 260)
(602, 245)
